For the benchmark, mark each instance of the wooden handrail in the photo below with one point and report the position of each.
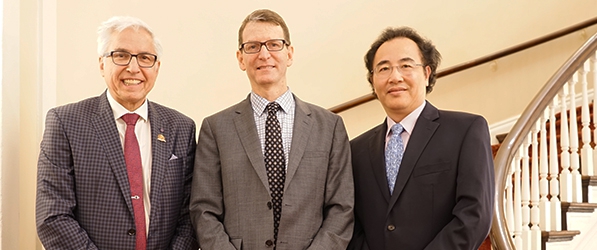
(473, 63)
(501, 239)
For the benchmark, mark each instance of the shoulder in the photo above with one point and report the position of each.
(78, 110)
(366, 136)
(460, 118)
(315, 110)
(169, 115)
(85, 104)
(243, 106)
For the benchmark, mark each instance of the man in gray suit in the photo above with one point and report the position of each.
(235, 203)
(88, 196)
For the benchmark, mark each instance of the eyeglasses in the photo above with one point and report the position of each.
(385, 70)
(271, 45)
(123, 58)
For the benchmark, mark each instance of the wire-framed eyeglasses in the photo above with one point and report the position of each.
(405, 68)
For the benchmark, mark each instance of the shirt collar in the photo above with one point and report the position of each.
(259, 103)
(118, 110)
(408, 123)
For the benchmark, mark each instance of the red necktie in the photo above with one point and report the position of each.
(132, 157)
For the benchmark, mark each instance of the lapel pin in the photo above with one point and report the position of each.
(161, 138)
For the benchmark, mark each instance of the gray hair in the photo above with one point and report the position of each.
(118, 24)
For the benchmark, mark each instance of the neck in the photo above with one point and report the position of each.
(270, 92)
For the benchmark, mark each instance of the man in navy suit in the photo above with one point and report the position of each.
(432, 186)
(84, 199)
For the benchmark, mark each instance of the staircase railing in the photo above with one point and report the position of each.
(535, 173)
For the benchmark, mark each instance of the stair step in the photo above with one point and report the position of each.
(588, 185)
(575, 208)
(557, 236)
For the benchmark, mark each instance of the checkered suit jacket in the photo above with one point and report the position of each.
(83, 196)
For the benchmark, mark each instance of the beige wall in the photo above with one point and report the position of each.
(53, 49)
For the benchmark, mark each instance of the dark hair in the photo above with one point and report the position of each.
(431, 57)
(267, 16)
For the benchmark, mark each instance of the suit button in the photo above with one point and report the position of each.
(269, 243)
(132, 232)
(391, 228)
(269, 205)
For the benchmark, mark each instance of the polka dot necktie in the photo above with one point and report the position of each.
(394, 152)
(274, 162)
(132, 158)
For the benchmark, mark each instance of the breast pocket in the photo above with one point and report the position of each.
(431, 173)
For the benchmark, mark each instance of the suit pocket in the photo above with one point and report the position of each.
(315, 154)
(237, 243)
(431, 168)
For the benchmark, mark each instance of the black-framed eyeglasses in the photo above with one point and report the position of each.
(255, 47)
(123, 58)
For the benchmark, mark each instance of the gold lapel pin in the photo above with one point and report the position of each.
(161, 138)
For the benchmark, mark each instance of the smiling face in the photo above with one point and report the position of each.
(400, 94)
(266, 69)
(129, 85)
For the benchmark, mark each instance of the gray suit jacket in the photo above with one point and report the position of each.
(230, 201)
(83, 195)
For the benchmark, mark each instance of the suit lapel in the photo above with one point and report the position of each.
(300, 138)
(422, 133)
(105, 127)
(377, 159)
(160, 154)
(246, 129)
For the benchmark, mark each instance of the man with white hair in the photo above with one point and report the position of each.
(114, 171)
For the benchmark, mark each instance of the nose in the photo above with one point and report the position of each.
(264, 52)
(133, 67)
(395, 74)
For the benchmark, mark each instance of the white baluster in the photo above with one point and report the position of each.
(586, 151)
(518, 225)
(518, 239)
(574, 156)
(535, 237)
(544, 204)
(594, 71)
(565, 175)
(526, 194)
(509, 197)
(554, 187)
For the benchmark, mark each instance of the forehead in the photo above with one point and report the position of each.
(261, 31)
(132, 40)
(397, 49)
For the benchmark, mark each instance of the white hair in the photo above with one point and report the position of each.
(118, 24)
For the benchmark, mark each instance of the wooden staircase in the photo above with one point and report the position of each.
(566, 234)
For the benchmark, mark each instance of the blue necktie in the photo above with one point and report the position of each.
(394, 151)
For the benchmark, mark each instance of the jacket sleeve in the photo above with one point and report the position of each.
(337, 228)
(207, 201)
(185, 237)
(55, 199)
(473, 211)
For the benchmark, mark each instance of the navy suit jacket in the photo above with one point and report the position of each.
(83, 195)
(443, 196)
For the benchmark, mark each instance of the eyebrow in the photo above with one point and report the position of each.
(126, 50)
(405, 59)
